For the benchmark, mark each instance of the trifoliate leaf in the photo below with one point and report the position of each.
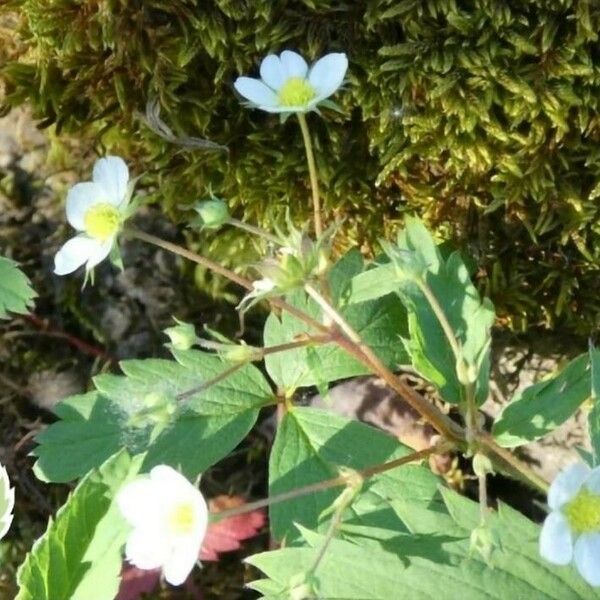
(417, 257)
(16, 293)
(142, 411)
(80, 555)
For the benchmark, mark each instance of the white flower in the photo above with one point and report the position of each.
(169, 517)
(7, 502)
(97, 209)
(286, 84)
(571, 532)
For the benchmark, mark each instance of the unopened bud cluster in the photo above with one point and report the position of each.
(299, 259)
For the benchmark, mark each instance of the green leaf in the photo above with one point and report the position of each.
(372, 284)
(343, 273)
(432, 559)
(346, 571)
(470, 317)
(594, 416)
(16, 293)
(540, 408)
(140, 412)
(380, 323)
(312, 444)
(517, 569)
(80, 555)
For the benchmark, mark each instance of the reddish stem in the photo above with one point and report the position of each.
(44, 326)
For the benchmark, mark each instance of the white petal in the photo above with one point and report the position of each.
(282, 109)
(99, 253)
(112, 174)
(146, 549)
(587, 557)
(293, 64)
(171, 488)
(256, 91)
(6, 517)
(566, 485)
(556, 541)
(74, 253)
(135, 500)
(171, 481)
(592, 482)
(79, 199)
(181, 561)
(328, 73)
(272, 72)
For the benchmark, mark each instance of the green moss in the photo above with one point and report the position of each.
(480, 115)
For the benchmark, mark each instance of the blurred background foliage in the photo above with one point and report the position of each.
(479, 115)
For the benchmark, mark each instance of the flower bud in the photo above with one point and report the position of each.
(302, 586)
(158, 409)
(182, 335)
(482, 465)
(213, 213)
(304, 591)
(484, 540)
(241, 353)
(466, 373)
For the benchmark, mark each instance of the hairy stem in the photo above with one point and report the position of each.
(355, 346)
(260, 354)
(312, 171)
(441, 316)
(333, 527)
(483, 498)
(470, 403)
(364, 354)
(223, 271)
(511, 462)
(207, 263)
(254, 230)
(210, 382)
(329, 483)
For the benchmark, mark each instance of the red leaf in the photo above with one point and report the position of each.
(226, 535)
(135, 582)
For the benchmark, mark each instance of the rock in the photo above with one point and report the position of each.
(47, 388)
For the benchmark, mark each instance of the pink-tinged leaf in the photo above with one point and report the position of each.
(226, 535)
(135, 582)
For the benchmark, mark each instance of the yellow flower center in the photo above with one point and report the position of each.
(583, 512)
(181, 519)
(296, 91)
(102, 221)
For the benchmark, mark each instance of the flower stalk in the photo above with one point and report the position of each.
(341, 480)
(312, 171)
(257, 354)
(254, 230)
